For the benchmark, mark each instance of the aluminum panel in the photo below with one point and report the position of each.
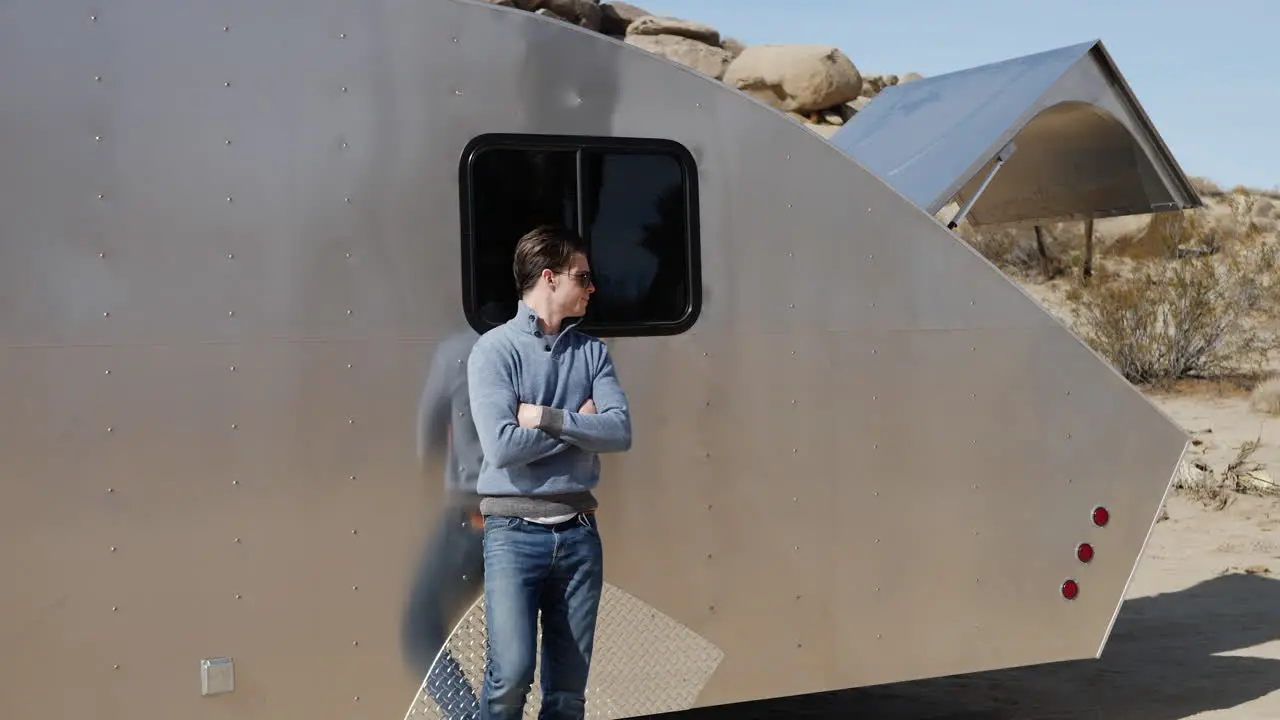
(1082, 144)
(848, 346)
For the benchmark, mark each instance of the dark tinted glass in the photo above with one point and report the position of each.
(634, 212)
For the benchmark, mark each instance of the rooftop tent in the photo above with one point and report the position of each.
(1054, 135)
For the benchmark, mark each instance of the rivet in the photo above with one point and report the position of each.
(708, 556)
(97, 138)
(114, 548)
(235, 426)
(877, 541)
(111, 490)
(349, 365)
(347, 200)
(797, 548)
(231, 313)
(344, 145)
(794, 451)
(355, 643)
(876, 493)
(348, 313)
(227, 141)
(348, 254)
(795, 499)
(354, 532)
(788, 205)
(457, 92)
(232, 368)
(102, 254)
(877, 588)
(871, 257)
(238, 596)
(94, 18)
(344, 89)
(878, 636)
(342, 36)
(868, 210)
(1068, 436)
(235, 482)
(226, 84)
(115, 608)
(115, 667)
(106, 314)
(799, 645)
(237, 541)
(792, 306)
(788, 157)
(791, 254)
(97, 78)
(231, 256)
(357, 698)
(351, 477)
(230, 199)
(712, 608)
(351, 421)
(101, 196)
(972, 302)
(226, 28)
(106, 372)
(454, 39)
(110, 429)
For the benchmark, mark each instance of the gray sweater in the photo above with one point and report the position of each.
(551, 469)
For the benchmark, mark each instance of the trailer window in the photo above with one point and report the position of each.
(633, 201)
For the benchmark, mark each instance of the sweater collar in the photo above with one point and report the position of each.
(526, 321)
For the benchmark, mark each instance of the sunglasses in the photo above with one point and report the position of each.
(583, 278)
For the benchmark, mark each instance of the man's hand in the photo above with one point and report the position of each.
(588, 407)
(529, 416)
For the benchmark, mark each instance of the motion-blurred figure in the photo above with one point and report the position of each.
(450, 575)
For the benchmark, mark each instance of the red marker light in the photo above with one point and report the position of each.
(1070, 589)
(1084, 552)
(1101, 516)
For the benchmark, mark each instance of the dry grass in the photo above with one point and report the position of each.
(1266, 397)
(1242, 476)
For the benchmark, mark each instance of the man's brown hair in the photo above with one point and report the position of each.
(546, 247)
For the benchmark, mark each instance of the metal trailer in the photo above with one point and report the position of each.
(234, 234)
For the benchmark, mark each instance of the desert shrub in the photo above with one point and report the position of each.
(1190, 317)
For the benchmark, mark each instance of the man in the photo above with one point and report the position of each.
(545, 401)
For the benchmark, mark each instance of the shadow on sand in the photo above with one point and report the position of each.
(1161, 663)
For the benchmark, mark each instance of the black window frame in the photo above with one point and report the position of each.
(578, 143)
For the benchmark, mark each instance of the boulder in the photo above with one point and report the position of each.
(706, 59)
(616, 17)
(653, 25)
(803, 78)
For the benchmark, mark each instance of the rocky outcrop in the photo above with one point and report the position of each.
(817, 85)
(707, 59)
(800, 78)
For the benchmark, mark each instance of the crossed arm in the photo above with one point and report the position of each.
(602, 424)
(515, 433)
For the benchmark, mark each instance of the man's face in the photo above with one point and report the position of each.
(573, 287)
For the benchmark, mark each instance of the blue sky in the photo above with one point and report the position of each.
(1208, 73)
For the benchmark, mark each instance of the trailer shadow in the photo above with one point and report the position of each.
(1163, 662)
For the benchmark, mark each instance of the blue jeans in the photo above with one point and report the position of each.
(530, 567)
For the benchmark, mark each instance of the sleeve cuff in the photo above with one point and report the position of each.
(552, 421)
